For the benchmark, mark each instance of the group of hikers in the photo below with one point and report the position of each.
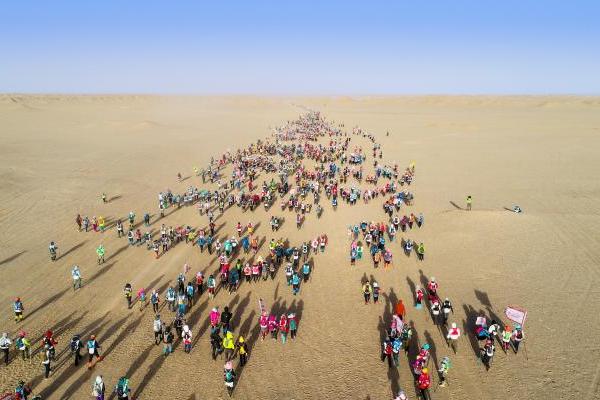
(307, 157)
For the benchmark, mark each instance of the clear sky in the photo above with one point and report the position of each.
(300, 47)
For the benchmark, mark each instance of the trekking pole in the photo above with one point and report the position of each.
(525, 351)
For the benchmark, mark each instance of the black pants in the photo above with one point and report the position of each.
(77, 355)
(243, 359)
(5, 351)
(91, 356)
(47, 370)
(155, 307)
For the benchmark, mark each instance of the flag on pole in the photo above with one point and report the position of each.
(516, 314)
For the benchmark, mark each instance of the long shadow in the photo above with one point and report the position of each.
(237, 315)
(250, 342)
(432, 348)
(424, 280)
(390, 301)
(298, 311)
(72, 249)
(58, 328)
(136, 364)
(456, 206)
(154, 282)
(71, 369)
(114, 198)
(116, 253)
(484, 299)
(101, 271)
(469, 325)
(413, 288)
(152, 370)
(394, 378)
(47, 302)
(13, 257)
(128, 330)
(194, 319)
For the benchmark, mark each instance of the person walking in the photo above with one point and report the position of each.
(229, 377)
(453, 336)
(5, 344)
(157, 327)
(168, 341)
(443, 371)
(517, 337)
(76, 274)
(242, 350)
(186, 335)
(93, 346)
(76, 348)
(18, 309)
(100, 252)
(98, 388)
(367, 290)
(469, 202)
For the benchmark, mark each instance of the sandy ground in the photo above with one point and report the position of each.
(58, 153)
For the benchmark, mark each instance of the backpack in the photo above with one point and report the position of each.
(228, 375)
(122, 386)
(75, 343)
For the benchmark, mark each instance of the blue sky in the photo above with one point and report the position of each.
(300, 47)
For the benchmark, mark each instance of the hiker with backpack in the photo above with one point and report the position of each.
(155, 300)
(293, 324)
(93, 346)
(487, 353)
(367, 290)
(170, 297)
(517, 337)
(228, 345)
(158, 330)
(189, 294)
(226, 316)
(46, 364)
(423, 383)
(18, 309)
(216, 343)
(23, 345)
(5, 343)
(453, 336)
(186, 335)
(168, 341)
(242, 350)
(98, 388)
(49, 342)
(127, 291)
(122, 388)
(376, 291)
(229, 377)
(141, 295)
(446, 309)
(76, 274)
(22, 391)
(443, 370)
(76, 346)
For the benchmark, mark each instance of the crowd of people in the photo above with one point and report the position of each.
(306, 158)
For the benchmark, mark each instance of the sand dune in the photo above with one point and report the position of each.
(59, 153)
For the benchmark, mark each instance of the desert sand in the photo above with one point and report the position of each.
(59, 153)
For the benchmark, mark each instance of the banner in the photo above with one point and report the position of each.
(516, 314)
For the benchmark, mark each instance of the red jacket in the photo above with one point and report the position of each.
(424, 381)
